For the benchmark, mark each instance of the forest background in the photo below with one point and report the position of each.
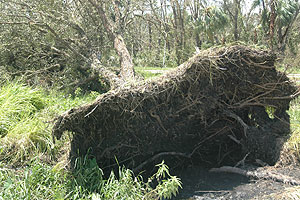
(58, 54)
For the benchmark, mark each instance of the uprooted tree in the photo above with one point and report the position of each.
(217, 107)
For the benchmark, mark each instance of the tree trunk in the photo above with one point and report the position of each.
(126, 63)
(112, 28)
(178, 30)
(150, 35)
(235, 21)
(272, 22)
(198, 40)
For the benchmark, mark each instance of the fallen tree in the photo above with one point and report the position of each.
(217, 107)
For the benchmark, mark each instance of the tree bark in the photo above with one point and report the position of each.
(179, 29)
(272, 22)
(236, 17)
(150, 35)
(112, 28)
(126, 63)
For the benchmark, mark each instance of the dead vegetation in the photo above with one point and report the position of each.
(217, 107)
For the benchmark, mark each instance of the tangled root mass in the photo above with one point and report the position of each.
(220, 105)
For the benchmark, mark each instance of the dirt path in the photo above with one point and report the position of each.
(199, 183)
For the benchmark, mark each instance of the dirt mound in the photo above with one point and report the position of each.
(217, 107)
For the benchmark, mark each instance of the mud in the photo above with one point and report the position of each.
(201, 184)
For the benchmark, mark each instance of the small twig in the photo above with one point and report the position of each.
(208, 138)
(159, 121)
(32, 72)
(261, 163)
(285, 97)
(118, 146)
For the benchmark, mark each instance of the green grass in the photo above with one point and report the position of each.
(25, 142)
(25, 120)
(289, 70)
(148, 72)
(28, 157)
(293, 143)
(42, 181)
(290, 64)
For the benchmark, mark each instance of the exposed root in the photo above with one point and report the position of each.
(220, 105)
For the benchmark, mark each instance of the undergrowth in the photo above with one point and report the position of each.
(25, 142)
(150, 72)
(41, 181)
(25, 135)
(294, 141)
(25, 120)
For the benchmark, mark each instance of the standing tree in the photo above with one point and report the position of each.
(178, 9)
(208, 21)
(277, 19)
(234, 9)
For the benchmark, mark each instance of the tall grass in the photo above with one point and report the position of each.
(41, 181)
(25, 138)
(294, 141)
(25, 119)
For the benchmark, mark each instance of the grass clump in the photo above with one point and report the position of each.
(294, 141)
(90, 184)
(25, 120)
(37, 181)
(41, 181)
(17, 102)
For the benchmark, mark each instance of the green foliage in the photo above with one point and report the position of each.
(165, 188)
(88, 175)
(212, 21)
(294, 141)
(27, 137)
(41, 181)
(286, 11)
(25, 115)
(51, 43)
(47, 43)
(37, 181)
(18, 102)
(88, 178)
(150, 72)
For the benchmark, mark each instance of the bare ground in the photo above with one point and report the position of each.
(201, 184)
